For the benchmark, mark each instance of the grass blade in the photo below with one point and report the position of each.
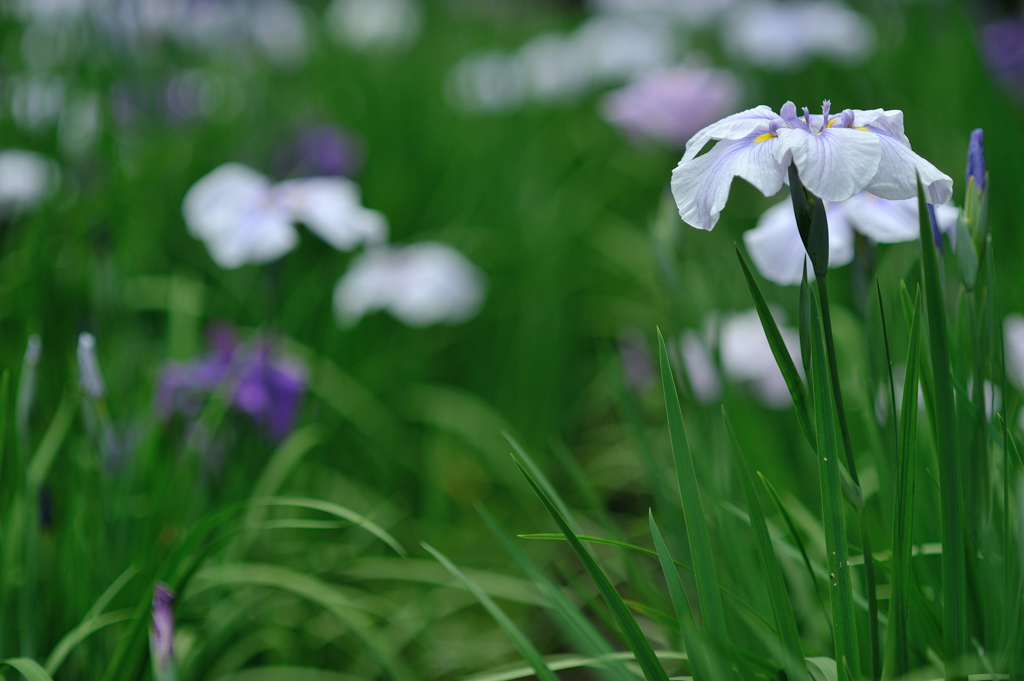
(582, 631)
(635, 638)
(687, 627)
(785, 620)
(837, 554)
(80, 633)
(28, 667)
(696, 524)
(896, 658)
(793, 381)
(954, 577)
(530, 654)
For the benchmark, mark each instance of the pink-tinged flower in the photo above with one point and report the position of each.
(260, 382)
(244, 219)
(836, 156)
(670, 106)
(778, 252)
(786, 35)
(161, 632)
(420, 285)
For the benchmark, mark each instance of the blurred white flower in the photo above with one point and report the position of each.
(670, 106)
(26, 178)
(747, 357)
(36, 101)
(700, 367)
(244, 219)
(785, 35)
(1013, 338)
(692, 13)
(279, 30)
(90, 379)
(373, 24)
(554, 67)
(778, 253)
(420, 285)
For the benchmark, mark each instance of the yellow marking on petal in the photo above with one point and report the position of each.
(834, 119)
(858, 127)
(765, 137)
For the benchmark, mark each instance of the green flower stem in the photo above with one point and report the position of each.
(844, 431)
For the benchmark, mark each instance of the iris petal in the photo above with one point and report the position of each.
(731, 127)
(835, 164)
(701, 185)
(777, 251)
(895, 178)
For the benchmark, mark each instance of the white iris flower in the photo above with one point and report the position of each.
(420, 285)
(778, 252)
(836, 156)
(244, 219)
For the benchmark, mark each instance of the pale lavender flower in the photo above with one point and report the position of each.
(785, 35)
(778, 251)
(670, 106)
(1013, 338)
(260, 382)
(90, 379)
(747, 357)
(374, 25)
(161, 632)
(692, 13)
(26, 179)
(836, 156)
(244, 219)
(700, 367)
(420, 285)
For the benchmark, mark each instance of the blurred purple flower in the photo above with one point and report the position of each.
(1002, 45)
(976, 157)
(321, 150)
(161, 635)
(670, 106)
(263, 384)
(637, 367)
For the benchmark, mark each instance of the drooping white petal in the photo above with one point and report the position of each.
(232, 210)
(701, 185)
(896, 179)
(890, 122)
(423, 284)
(733, 127)
(835, 164)
(700, 368)
(778, 252)
(26, 178)
(882, 220)
(331, 207)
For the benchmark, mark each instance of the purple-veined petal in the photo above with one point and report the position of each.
(896, 179)
(732, 127)
(777, 251)
(331, 208)
(890, 122)
(701, 185)
(835, 164)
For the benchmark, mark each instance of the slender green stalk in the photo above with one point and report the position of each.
(954, 577)
(844, 430)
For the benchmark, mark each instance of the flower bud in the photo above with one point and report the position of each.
(976, 159)
(89, 377)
